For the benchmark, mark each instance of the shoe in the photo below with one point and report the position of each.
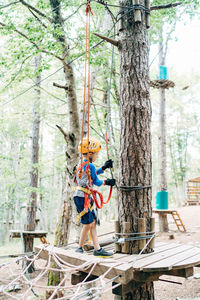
(79, 250)
(102, 253)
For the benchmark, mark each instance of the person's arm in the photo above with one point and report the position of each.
(99, 171)
(95, 179)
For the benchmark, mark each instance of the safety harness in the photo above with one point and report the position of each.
(89, 193)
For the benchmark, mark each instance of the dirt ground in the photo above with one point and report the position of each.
(181, 288)
(190, 288)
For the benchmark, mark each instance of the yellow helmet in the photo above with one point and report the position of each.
(94, 146)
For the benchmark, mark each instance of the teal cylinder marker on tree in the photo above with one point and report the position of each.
(162, 200)
(163, 72)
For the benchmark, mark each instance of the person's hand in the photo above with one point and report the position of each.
(108, 164)
(110, 182)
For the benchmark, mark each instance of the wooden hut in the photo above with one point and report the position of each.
(193, 191)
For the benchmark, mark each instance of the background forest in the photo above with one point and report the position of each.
(33, 93)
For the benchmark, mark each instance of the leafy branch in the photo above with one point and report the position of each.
(36, 10)
(28, 39)
(12, 3)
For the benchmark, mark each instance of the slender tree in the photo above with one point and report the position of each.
(32, 206)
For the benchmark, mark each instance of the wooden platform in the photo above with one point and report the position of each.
(34, 234)
(193, 191)
(170, 259)
(163, 222)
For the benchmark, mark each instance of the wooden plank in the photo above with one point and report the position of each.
(126, 258)
(167, 211)
(193, 193)
(185, 273)
(169, 262)
(193, 187)
(159, 247)
(193, 260)
(161, 259)
(18, 233)
(116, 268)
(157, 250)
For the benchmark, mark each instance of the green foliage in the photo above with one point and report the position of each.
(18, 75)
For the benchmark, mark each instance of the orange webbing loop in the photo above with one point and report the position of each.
(94, 193)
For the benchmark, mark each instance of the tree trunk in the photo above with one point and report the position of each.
(72, 139)
(162, 135)
(162, 140)
(135, 166)
(32, 206)
(7, 220)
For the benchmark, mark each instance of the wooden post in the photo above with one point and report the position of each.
(163, 223)
(117, 246)
(142, 229)
(137, 12)
(126, 229)
(152, 229)
(148, 14)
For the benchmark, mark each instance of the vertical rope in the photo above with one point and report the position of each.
(86, 81)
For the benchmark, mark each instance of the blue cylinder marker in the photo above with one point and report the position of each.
(163, 72)
(162, 200)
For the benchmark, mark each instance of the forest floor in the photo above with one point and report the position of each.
(187, 289)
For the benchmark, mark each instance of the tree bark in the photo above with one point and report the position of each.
(162, 135)
(72, 138)
(135, 166)
(32, 206)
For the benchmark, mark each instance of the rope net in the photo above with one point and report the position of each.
(17, 283)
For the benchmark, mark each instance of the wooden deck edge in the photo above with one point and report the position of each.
(35, 234)
(123, 270)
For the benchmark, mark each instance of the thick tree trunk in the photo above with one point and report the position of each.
(135, 143)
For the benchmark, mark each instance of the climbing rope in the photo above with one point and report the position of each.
(79, 172)
(88, 12)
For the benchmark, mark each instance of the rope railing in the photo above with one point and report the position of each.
(80, 291)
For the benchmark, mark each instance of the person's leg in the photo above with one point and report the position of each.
(94, 236)
(98, 251)
(84, 232)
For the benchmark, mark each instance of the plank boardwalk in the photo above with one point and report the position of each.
(167, 258)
